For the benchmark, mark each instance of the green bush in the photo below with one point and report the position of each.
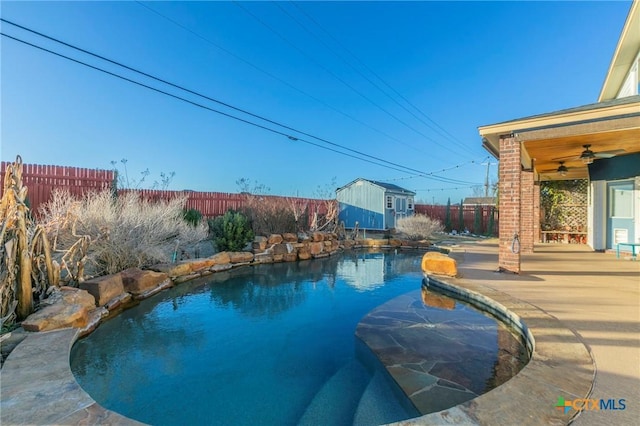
(230, 232)
(447, 216)
(192, 217)
(477, 220)
(492, 222)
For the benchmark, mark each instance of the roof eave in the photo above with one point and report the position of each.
(561, 118)
(624, 55)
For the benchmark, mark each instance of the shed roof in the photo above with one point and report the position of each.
(385, 185)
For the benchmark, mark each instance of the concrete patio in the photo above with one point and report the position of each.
(594, 294)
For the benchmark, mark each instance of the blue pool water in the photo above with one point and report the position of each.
(267, 345)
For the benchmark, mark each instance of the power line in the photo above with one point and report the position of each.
(442, 189)
(431, 126)
(378, 161)
(443, 132)
(457, 166)
(334, 75)
(286, 83)
(205, 96)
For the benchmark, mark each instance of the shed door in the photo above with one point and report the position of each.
(620, 213)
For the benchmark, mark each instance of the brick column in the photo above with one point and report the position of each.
(509, 178)
(527, 210)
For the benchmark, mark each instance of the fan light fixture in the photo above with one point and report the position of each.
(562, 170)
(587, 155)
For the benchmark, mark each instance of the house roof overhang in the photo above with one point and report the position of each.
(625, 54)
(550, 138)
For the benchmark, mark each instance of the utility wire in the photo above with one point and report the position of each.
(443, 132)
(207, 97)
(358, 92)
(217, 101)
(373, 83)
(442, 189)
(191, 102)
(457, 166)
(381, 162)
(286, 83)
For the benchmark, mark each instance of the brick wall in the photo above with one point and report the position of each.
(510, 193)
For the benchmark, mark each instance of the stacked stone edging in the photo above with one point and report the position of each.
(108, 294)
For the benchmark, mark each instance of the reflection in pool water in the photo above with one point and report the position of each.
(268, 344)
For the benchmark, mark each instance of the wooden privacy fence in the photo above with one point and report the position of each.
(41, 180)
(472, 217)
(212, 204)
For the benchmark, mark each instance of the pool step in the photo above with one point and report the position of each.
(379, 403)
(336, 402)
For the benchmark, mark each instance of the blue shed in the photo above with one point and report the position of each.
(374, 205)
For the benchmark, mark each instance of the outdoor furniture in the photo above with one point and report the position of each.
(578, 237)
(633, 249)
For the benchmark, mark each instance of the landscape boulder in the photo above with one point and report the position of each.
(260, 243)
(289, 238)
(104, 288)
(173, 269)
(280, 249)
(240, 256)
(70, 296)
(316, 248)
(58, 315)
(304, 254)
(136, 281)
(439, 264)
(275, 239)
(201, 264)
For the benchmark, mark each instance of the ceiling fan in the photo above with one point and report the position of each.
(587, 156)
(562, 170)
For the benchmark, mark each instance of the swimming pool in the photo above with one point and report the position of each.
(268, 344)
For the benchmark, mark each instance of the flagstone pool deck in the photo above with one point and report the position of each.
(582, 308)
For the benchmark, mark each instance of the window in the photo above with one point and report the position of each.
(410, 203)
(621, 203)
(389, 202)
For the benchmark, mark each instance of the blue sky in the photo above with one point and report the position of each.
(307, 65)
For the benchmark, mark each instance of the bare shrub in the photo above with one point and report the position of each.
(270, 215)
(418, 227)
(111, 234)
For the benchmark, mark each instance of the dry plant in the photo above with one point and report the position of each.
(418, 227)
(26, 265)
(328, 219)
(106, 234)
(300, 209)
(270, 215)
